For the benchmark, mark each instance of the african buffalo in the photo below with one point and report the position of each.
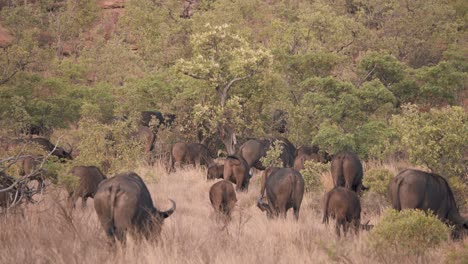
(344, 206)
(305, 153)
(190, 153)
(236, 170)
(28, 166)
(346, 170)
(223, 197)
(44, 143)
(163, 119)
(253, 150)
(415, 189)
(89, 178)
(147, 136)
(215, 171)
(123, 203)
(266, 173)
(15, 193)
(284, 190)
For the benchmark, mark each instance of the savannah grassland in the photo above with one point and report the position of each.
(46, 233)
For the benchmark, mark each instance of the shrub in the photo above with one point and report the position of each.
(436, 139)
(378, 179)
(409, 233)
(311, 173)
(272, 158)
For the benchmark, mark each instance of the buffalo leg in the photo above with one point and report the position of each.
(296, 212)
(337, 227)
(83, 201)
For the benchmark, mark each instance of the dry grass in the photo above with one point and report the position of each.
(46, 233)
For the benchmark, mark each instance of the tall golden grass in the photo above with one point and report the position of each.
(48, 233)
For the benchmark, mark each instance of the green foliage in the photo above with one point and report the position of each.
(272, 158)
(222, 57)
(460, 190)
(113, 148)
(384, 67)
(378, 180)
(440, 84)
(436, 139)
(312, 173)
(46, 102)
(406, 234)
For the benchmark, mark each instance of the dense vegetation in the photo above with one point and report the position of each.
(385, 79)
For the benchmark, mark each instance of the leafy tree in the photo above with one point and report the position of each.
(220, 60)
(436, 139)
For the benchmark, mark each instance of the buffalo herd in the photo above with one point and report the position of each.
(124, 205)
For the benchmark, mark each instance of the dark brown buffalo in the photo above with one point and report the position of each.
(415, 189)
(306, 153)
(284, 190)
(346, 170)
(44, 143)
(253, 150)
(89, 178)
(28, 166)
(147, 136)
(236, 170)
(215, 171)
(344, 206)
(223, 197)
(161, 119)
(12, 194)
(266, 173)
(190, 153)
(123, 203)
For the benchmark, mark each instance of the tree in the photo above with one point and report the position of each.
(220, 60)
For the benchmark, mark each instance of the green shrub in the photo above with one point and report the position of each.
(312, 175)
(378, 179)
(436, 139)
(272, 158)
(409, 233)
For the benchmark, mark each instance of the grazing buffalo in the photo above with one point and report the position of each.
(266, 173)
(123, 203)
(305, 153)
(346, 170)
(89, 178)
(223, 198)
(57, 151)
(147, 136)
(415, 189)
(344, 206)
(253, 150)
(215, 171)
(236, 170)
(284, 190)
(163, 119)
(28, 166)
(12, 194)
(190, 153)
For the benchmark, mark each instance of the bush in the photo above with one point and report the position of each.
(311, 173)
(436, 139)
(378, 179)
(409, 233)
(272, 158)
